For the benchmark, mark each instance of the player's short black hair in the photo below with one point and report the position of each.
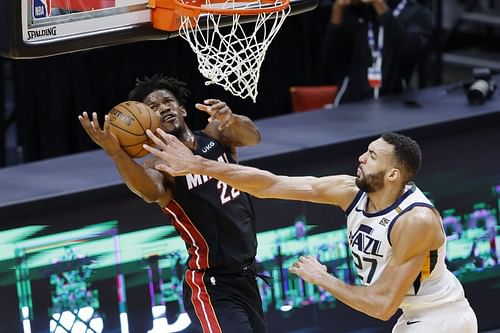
(147, 85)
(406, 152)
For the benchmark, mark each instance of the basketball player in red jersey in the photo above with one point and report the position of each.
(215, 220)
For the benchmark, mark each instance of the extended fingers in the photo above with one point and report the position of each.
(155, 139)
(166, 140)
(163, 167)
(84, 120)
(211, 101)
(152, 150)
(201, 107)
(169, 139)
(106, 123)
(155, 151)
(210, 106)
(95, 122)
(83, 117)
(213, 107)
(88, 124)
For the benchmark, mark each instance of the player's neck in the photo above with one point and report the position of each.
(381, 199)
(187, 137)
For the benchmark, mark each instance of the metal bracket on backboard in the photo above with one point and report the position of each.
(163, 15)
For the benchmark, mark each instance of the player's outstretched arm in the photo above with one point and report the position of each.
(413, 236)
(227, 127)
(145, 182)
(179, 160)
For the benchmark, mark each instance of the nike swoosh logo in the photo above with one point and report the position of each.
(412, 322)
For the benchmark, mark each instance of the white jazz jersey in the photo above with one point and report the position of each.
(371, 250)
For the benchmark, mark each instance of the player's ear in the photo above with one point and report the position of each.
(184, 112)
(394, 174)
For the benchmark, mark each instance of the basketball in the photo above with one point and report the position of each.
(129, 121)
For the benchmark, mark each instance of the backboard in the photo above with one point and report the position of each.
(41, 28)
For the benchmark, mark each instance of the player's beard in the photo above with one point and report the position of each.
(371, 183)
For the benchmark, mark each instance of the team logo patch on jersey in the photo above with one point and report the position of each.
(362, 241)
(384, 222)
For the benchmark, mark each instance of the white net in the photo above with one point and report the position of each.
(230, 50)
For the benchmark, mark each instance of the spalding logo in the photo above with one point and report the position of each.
(47, 32)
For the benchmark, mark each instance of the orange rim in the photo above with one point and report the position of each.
(194, 8)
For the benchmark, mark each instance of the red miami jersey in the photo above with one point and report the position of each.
(216, 221)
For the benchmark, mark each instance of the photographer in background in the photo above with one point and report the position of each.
(371, 46)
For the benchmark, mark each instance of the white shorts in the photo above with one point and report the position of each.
(456, 317)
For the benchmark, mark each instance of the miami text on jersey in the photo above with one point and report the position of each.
(194, 180)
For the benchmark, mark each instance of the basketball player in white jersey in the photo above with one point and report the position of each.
(395, 234)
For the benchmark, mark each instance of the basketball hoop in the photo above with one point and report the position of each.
(228, 54)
